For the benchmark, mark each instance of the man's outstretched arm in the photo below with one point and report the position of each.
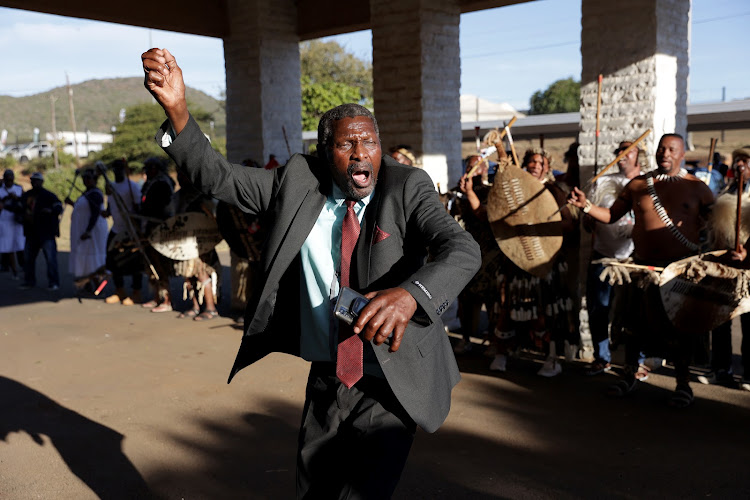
(248, 188)
(620, 207)
(163, 80)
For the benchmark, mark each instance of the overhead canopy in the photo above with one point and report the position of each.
(199, 17)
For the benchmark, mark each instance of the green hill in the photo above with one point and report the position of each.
(97, 107)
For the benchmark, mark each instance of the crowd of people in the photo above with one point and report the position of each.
(355, 219)
(627, 212)
(637, 219)
(30, 222)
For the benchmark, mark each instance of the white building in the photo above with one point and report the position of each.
(476, 109)
(87, 142)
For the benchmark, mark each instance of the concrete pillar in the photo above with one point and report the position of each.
(263, 80)
(641, 47)
(417, 81)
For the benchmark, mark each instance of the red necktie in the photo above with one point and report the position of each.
(349, 352)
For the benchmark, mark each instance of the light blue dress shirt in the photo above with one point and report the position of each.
(321, 256)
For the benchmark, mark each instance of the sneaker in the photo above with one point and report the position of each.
(127, 301)
(716, 377)
(745, 384)
(162, 308)
(54, 288)
(550, 368)
(499, 363)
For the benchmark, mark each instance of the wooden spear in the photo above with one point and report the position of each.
(738, 222)
(619, 157)
(711, 159)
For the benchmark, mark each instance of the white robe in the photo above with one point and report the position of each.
(86, 256)
(11, 233)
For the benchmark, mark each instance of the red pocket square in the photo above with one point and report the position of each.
(380, 235)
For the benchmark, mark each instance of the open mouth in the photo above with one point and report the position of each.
(361, 175)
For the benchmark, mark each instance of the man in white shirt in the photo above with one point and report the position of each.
(124, 201)
(608, 241)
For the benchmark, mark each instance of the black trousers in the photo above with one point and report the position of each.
(133, 267)
(353, 443)
(721, 346)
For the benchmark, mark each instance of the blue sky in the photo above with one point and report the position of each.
(506, 53)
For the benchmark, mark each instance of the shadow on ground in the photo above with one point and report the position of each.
(514, 435)
(93, 452)
(560, 439)
(551, 438)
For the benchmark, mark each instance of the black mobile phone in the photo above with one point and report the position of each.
(349, 305)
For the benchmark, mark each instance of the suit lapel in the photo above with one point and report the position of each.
(298, 210)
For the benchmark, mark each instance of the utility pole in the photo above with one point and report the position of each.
(52, 100)
(723, 99)
(73, 121)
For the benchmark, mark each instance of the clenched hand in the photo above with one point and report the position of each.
(388, 311)
(163, 79)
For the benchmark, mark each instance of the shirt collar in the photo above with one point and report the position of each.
(337, 197)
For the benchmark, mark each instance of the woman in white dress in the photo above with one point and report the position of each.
(88, 230)
(12, 240)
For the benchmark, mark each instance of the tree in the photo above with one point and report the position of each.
(331, 76)
(562, 96)
(317, 98)
(134, 138)
(329, 62)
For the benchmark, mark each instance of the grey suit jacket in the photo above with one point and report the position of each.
(403, 221)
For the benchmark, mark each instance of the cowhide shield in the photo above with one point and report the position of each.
(185, 236)
(524, 220)
(700, 294)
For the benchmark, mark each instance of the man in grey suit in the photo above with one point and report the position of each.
(355, 434)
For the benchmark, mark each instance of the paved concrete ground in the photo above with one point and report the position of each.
(114, 402)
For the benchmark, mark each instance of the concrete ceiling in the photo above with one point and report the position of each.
(210, 18)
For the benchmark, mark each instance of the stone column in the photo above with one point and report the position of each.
(261, 55)
(641, 47)
(417, 81)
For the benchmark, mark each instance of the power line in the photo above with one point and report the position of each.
(525, 49)
(710, 20)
